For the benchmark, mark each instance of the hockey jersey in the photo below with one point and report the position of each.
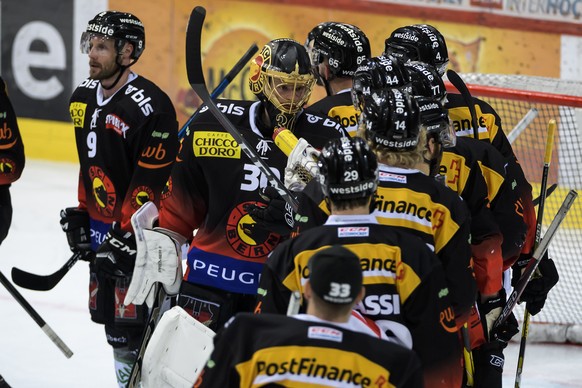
(504, 202)
(213, 182)
(126, 145)
(340, 108)
(409, 199)
(406, 291)
(12, 157)
(490, 130)
(281, 351)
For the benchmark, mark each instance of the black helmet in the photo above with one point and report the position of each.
(425, 80)
(419, 42)
(121, 26)
(282, 63)
(348, 169)
(377, 73)
(344, 45)
(440, 53)
(392, 120)
(434, 117)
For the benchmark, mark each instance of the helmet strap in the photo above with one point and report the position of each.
(122, 69)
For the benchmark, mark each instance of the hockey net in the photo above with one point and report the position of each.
(515, 97)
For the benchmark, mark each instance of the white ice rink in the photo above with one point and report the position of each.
(28, 359)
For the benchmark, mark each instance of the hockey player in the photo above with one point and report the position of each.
(316, 348)
(404, 280)
(336, 50)
(12, 158)
(126, 134)
(465, 166)
(12, 161)
(213, 184)
(425, 43)
(409, 198)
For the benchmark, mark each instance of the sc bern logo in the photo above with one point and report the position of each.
(103, 192)
(245, 237)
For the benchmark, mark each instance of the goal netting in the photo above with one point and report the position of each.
(530, 102)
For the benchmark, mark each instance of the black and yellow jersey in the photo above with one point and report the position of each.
(280, 351)
(491, 131)
(413, 201)
(406, 290)
(340, 108)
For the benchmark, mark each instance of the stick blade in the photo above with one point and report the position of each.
(36, 282)
(193, 46)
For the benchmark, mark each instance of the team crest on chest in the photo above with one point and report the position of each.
(245, 237)
(103, 191)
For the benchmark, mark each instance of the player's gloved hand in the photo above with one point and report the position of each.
(5, 211)
(277, 216)
(490, 310)
(544, 278)
(301, 165)
(116, 255)
(75, 223)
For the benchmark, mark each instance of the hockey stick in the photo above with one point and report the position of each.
(222, 85)
(197, 82)
(37, 318)
(294, 303)
(539, 252)
(522, 125)
(43, 282)
(549, 192)
(141, 219)
(462, 88)
(468, 356)
(540, 217)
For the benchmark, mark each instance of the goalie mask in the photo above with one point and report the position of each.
(348, 169)
(425, 81)
(419, 42)
(434, 117)
(121, 26)
(375, 74)
(281, 76)
(392, 121)
(345, 47)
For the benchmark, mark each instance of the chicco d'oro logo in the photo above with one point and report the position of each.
(256, 81)
(103, 191)
(245, 237)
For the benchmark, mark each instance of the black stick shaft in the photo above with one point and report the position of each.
(222, 85)
(35, 316)
(197, 82)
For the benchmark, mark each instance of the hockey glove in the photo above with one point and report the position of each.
(301, 166)
(5, 211)
(277, 216)
(75, 223)
(116, 255)
(490, 310)
(542, 281)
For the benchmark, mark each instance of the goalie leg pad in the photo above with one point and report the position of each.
(177, 351)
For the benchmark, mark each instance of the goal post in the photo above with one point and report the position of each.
(513, 97)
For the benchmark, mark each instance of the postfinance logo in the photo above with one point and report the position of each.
(216, 145)
(77, 110)
(313, 366)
